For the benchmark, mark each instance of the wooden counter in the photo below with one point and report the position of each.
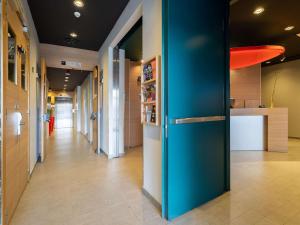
(277, 125)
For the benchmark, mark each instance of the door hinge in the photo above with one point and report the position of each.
(166, 126)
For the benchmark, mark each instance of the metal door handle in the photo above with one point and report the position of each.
(197, 119)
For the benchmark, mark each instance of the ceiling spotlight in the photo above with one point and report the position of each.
(288, 28)
(298, 34)
(258, 10)
(67, 78)
(73, 35)
(77, 14)
(78, 3)
(268, 62)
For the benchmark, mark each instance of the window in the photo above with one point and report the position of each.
(11, 55)
(23, 70)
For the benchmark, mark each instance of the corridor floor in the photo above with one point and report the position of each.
(76, 187)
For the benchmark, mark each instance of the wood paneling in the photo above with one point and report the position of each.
(277, 125)
(15, 161)
(133, 133)
(245, 86)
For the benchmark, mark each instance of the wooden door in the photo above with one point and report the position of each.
(95, 108)
(15, 107)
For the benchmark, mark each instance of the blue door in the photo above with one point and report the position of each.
(195, 103)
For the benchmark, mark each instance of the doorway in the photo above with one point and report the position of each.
(63, 112)
(131, 44)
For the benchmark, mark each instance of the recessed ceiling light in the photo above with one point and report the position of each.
(288, 28)
(78, 3)
(77, 14)
(67, 77)
(298, 34)
(73, 35)
(258, 10)
(268, 62)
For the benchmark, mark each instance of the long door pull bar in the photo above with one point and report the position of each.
(198, 119)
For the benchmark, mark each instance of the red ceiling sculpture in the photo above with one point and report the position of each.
(241, 57)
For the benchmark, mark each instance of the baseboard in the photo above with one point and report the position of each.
(152, 200)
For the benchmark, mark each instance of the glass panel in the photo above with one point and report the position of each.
(23, 70)
(11, 55)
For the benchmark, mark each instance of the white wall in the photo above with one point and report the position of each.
(152, 45)
(34, 60)
(85, 99)
(128, 18)
(54, 54)
(104, 66)
(287, 91)
(151, 10)
(78, 108)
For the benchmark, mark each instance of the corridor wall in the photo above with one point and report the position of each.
(33, 74)
(130, 16)
(151, 11)
(86, 108)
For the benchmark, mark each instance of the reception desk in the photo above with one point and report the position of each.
(268, 128)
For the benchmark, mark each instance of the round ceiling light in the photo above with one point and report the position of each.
(288, 28)
(78, 3)
(73, 35)
(258, 10)
(77, 14)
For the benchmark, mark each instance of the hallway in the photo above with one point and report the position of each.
(75, 186)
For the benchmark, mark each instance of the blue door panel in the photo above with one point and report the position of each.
(195, 84)
(195, 165)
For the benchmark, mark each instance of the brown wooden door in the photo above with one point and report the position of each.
(15, 108)
(95, 108)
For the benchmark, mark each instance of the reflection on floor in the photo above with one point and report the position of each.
(76, 187)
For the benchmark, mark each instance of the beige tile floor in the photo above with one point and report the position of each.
(76, 187)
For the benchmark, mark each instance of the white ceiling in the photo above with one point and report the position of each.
(79, 59)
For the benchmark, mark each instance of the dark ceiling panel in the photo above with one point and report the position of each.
(55, 20)
(132, 43)
(57, 76)
(268, 28)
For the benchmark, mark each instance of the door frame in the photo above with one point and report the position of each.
(43, 111)
(164, 104)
